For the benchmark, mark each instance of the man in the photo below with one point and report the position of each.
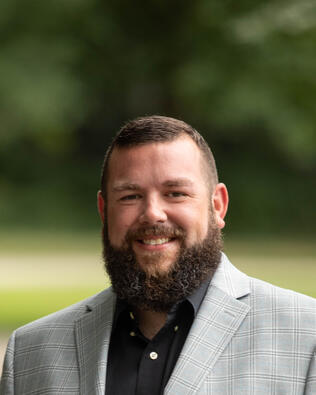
(179, 318)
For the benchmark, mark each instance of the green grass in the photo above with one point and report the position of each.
(22, 306)
(43, 272)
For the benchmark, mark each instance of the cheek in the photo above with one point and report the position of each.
(195, 223)
(198, 231)
(119, 222)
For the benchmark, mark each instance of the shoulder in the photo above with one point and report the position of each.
(265, 300)
(282, 308)
(256, 292)
(264, 293)
(64, 319)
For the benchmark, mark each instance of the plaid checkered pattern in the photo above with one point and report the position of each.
(249, 337)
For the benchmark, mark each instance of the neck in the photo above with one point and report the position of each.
(150, 322)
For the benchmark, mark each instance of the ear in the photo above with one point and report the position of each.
(220, 204)
(101, 205)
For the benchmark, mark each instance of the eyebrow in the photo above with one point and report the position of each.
(126, 186)
(178, 182)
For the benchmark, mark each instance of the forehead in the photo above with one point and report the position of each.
(180, 157)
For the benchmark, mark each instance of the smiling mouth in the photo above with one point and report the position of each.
(154, 242)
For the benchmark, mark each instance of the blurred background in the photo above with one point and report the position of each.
(71, 72)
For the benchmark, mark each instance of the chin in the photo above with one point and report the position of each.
(156, 266)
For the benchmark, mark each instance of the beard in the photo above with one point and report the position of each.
(154, 289)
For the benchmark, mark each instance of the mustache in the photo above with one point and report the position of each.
(155, 230)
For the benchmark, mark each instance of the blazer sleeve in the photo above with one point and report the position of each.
(7, 380)
(310, 387)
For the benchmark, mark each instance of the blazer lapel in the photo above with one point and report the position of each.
(93, 332)
(218, 319)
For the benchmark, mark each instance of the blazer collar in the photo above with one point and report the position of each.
(230, 280)
(217, 321)
(93, 332)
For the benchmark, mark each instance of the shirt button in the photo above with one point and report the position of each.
(153, 355)
(176, 328)
(132, 333)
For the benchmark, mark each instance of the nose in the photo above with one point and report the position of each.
(152, 212)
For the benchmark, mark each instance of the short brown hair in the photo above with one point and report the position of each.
(153, 129)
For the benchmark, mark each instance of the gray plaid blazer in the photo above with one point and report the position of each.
(248, 337)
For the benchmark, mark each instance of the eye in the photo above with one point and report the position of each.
(130, 197)
(176, 194)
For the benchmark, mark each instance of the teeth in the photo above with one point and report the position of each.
(155, 241)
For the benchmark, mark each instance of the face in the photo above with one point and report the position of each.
(157, 200)
(161, 223)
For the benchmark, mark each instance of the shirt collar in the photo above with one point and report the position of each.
(195, 300)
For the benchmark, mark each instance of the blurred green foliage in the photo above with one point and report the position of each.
(242, 73)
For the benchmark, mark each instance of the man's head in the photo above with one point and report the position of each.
(162, 209)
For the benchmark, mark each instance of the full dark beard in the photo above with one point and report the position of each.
(159, 292)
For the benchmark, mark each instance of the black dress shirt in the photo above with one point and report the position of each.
(139, 366)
